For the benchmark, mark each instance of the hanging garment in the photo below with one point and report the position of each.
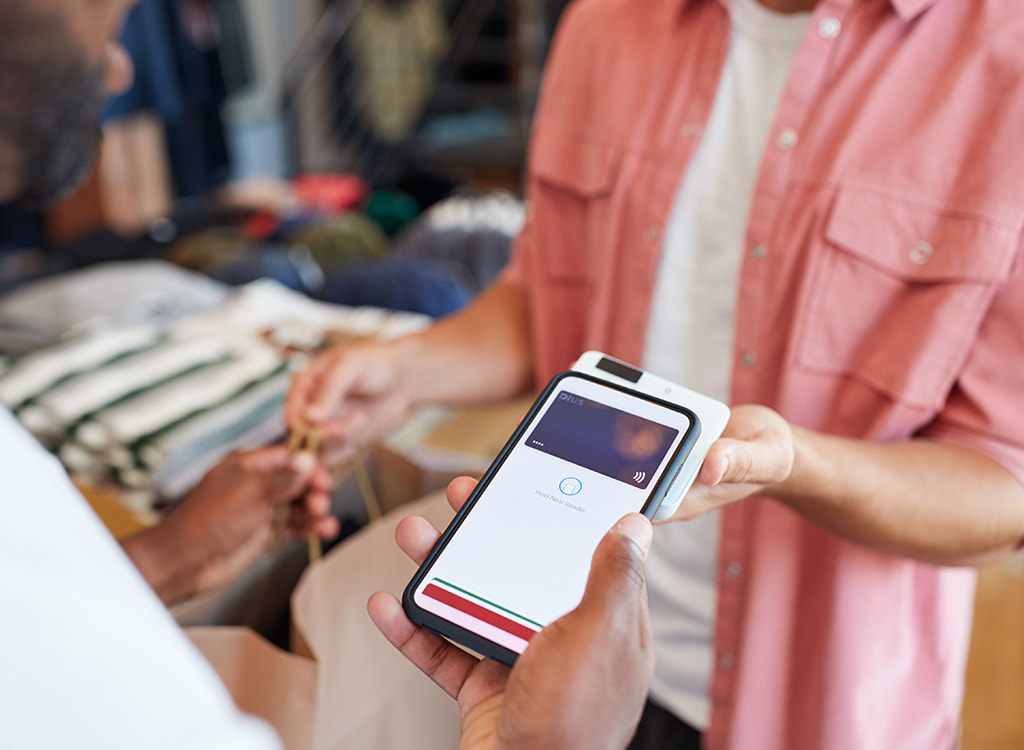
(397, 47)
(178, 75)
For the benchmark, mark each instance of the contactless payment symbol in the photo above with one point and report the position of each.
(570, 486)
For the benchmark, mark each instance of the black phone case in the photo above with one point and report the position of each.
(478, 643)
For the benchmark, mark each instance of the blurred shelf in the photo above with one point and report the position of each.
(993, 717)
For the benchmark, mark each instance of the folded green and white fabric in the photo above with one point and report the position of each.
(151, 409)
(32, 375)
(77, 398)
(169, 401)
(266, 308)
(185, 454)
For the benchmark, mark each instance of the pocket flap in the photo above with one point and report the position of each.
(920, 242)
(572, 162)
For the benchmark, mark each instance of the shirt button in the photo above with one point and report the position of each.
(748, 359)
(652, 233)
(734, 570)
(921, 253)
(759, 251)
(726, 661)
(829, 28)
(787, 138)
(691, 129)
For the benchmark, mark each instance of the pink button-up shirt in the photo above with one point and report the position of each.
(881, 297)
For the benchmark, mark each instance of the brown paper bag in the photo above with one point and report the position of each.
(371, 698)
(276, 686)
(344, 687)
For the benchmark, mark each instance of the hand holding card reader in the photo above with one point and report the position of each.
(713, 416)
(602, 440)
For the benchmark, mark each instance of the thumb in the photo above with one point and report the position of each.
(293, 479)
(616, 578)
(285, 476)
(730, 461)
(339, 376)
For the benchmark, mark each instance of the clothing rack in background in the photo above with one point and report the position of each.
(448, 84)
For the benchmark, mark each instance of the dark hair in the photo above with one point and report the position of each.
(51, 99)
(32, 36)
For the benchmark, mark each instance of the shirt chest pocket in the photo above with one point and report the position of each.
(898, 291)
(572, 182)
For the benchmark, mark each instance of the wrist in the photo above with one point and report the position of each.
(411, 356)
(799, 477)
(164, 562)
(430, 368)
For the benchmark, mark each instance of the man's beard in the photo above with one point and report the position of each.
(59, 139)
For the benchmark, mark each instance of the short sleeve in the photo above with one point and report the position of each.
(985, 410)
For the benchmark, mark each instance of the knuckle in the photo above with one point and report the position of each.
(744, 466)
(235, 460)
(625, 561)
(435, 658)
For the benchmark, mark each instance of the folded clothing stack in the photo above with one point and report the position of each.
(150, 410)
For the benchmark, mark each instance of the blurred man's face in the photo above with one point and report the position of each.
(59, 62)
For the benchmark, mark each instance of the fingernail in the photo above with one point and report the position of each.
(706, 477)
(725, 469)
(638, 530)
(304, 463)
(358, 423)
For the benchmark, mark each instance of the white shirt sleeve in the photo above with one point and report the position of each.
(89, 656)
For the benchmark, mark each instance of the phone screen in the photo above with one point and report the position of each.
(520, 557)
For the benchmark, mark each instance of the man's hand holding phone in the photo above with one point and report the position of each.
(582, 681)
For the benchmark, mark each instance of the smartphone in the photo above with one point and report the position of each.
(517, 555)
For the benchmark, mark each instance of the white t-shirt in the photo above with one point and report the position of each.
(89, 655)
(690, 333)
